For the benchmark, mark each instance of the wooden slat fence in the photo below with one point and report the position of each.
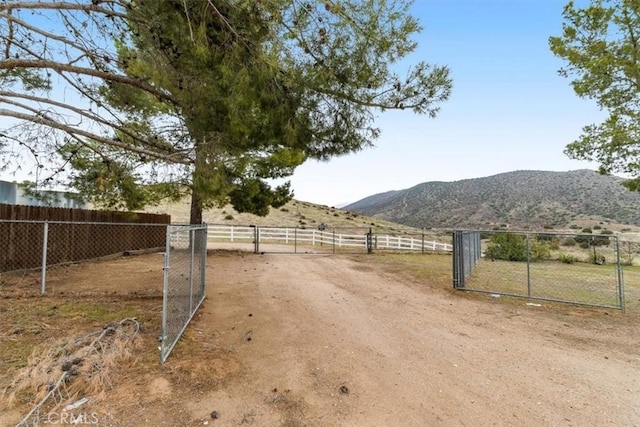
(73, 235)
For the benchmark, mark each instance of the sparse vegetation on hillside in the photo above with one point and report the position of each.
(521, 199)
(294, 214)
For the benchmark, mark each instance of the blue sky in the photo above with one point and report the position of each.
(509, 109)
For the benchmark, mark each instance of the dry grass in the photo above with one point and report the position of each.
(294, 214)
(72, 368)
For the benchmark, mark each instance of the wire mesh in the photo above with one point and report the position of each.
(184, 282)
(582, 269)
(33, 245)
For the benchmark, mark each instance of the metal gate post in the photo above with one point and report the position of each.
(369, 241)
(203, 260)
(165, 294)
(192, 241)
(43, 273)
(528, 265)
(620, 280)
(458, 275)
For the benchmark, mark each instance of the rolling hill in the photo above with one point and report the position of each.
(521, 199)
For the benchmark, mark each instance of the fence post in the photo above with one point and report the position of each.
(369, 241)
(256, 238)
(43, 273)
(528, 266)
(334, 240)
(620, 281)
(458, 275)
(192, 244)
(203, 262)
(165, 294)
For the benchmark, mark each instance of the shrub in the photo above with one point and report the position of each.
(551, 239)
(566, 258)
(284, 210)
(587, 230)
(228, 217)
(513, 247)
(569, 242)
(605, 231)
(507, 246)
(539, 250)
(574, 227)
(597, 227)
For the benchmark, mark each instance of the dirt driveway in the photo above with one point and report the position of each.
(320, 340)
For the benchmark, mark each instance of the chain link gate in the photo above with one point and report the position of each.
(184, 281)
(571, 268)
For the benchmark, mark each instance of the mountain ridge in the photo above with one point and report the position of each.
(524, 198)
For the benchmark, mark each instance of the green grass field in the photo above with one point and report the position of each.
(579, 282)
(582, 283)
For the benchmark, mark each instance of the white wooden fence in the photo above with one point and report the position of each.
(336, 238)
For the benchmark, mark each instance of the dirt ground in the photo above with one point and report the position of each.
(324, 340)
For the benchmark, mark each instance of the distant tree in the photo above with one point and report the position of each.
(600, 43)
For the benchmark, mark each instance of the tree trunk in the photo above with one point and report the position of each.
(196, 209)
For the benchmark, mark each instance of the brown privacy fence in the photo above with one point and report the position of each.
(43, 213)
(37, 237)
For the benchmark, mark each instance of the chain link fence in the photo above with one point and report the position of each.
(38, 245)
(184, 281)
(583, 269)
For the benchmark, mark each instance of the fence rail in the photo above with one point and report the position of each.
(333, 239)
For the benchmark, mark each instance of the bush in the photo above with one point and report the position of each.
(507, 246)
(587, 240)
(539, 250)
(551, 239)
(569, 242)
(513, 247)
(566, 258)
(574, 227)
(228, 217)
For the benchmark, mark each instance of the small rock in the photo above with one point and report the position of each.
(344, 389)
(215, 415)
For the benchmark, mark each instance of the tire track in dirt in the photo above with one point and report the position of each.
(407, 356)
